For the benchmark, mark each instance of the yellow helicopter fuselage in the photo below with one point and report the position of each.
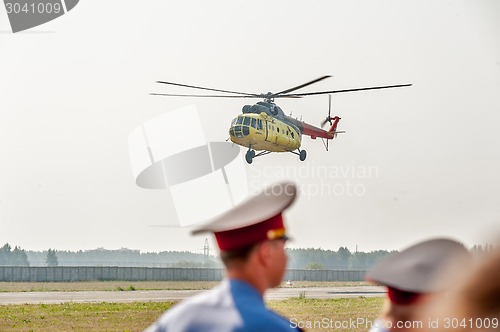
(263, 132)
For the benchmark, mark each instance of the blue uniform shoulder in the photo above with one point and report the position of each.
(253, 311)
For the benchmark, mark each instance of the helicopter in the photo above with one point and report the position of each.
(265, 128)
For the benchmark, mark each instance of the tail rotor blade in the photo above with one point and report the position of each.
(329, 104)
(328, 118)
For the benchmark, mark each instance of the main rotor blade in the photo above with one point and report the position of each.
(209, 89)
(207, 96)
(302, 85)
(340, 91)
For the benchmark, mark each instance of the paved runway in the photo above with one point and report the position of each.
(175, 295)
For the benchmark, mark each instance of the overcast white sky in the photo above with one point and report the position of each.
(72, 90)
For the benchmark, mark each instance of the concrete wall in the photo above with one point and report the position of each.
(325, 275)
(87, 273)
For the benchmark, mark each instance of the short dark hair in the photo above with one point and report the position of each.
(230, 257)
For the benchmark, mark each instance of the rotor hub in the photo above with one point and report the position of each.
(268, 97)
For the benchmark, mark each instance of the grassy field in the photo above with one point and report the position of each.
(312, 314)
(80, 316)
(330, 314)
(138, 285)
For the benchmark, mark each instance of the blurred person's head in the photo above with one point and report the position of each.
(474, 302)
(251, 237)
(414, 277)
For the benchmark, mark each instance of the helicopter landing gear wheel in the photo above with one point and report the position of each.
(249, 156)
(302, 155)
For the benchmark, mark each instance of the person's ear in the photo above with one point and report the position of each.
(265, 253)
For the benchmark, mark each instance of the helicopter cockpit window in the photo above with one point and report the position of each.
(259, 124)
(246, 121)
(240, 120)
(239, 131)
(254, 123)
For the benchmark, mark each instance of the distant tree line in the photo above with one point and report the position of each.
(478, 249)
(16, 257)
(123, 257)
(310, 258)
(329, 259)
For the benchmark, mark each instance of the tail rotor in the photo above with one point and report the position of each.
(333, 121)
(328, 118)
